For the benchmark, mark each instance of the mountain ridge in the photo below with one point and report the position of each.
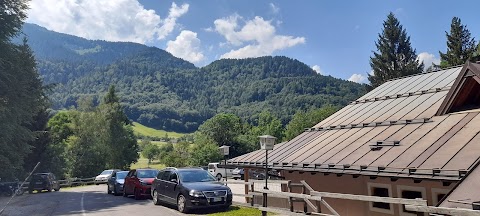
(166, 92)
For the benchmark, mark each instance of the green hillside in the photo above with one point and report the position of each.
(161, 91)
(143, 130)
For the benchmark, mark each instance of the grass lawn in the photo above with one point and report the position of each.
(146, 131)
(239, 211)
(143, 163)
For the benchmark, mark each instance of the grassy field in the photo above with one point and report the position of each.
(143, 163)
(239, 211)
(146, 131)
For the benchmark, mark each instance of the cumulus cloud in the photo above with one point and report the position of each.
(186, 46)
(358, 78)
(275, 9)
(258, 37)
(119, 20)
(317, 69)
(428, 59)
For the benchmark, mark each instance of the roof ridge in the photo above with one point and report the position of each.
(433, 71)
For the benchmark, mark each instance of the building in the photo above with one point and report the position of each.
(412, 137)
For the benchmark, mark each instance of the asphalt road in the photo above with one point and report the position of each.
(85, 201)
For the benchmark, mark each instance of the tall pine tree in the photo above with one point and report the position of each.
(21, 91)
(395, 56)
(460, 45)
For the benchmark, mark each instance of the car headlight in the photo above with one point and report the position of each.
(195, 193)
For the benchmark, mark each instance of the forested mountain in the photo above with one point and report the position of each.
(162, 91)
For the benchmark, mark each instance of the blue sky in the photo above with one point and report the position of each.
(337, 37)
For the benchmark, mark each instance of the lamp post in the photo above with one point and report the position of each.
(266, 143)
(225, 151)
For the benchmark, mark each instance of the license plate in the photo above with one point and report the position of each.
(217, 199)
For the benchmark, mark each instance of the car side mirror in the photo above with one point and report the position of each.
(173, 180)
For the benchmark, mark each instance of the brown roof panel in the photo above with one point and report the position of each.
(365, 147)
(326, 144)
(407, 142)
(399, 135)
(406, 159)
(433, 147)
(294, 145)
(340, 145)
(448, 150)
(423, 103)
(294, 156)
(466, 156)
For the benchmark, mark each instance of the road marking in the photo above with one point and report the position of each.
(81, 204)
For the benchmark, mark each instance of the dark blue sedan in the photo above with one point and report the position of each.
(115, 182)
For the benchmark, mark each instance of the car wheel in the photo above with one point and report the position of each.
(219, 176)
(155, 199)
(137, 194)
(30, 191)
(39, 191)
(182, 204)
(108, 190)
(124, 192)
(49, 189)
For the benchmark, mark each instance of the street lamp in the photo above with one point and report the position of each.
(225, 151)
(266, 143)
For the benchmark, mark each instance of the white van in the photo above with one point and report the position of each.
(219, 173)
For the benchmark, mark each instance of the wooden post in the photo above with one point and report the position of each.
(290, 202)
(245, 178)
(304, 191)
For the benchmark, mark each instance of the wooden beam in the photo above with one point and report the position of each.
(307, 186)
(288, 195)
(311, 205)
(329, 207)
(443, 210)
(418, 202)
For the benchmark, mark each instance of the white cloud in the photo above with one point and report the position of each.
(317, 69)
(358, 78)
(372, 73)
(258, 34)
(275, 9)
(427, 59)
(119, 20)
(186, 46)
(171, 21)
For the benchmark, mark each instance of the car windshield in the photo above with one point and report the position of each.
(196, 176)
(39, 177)
(121, 175)
(147, 173)
(106, 172)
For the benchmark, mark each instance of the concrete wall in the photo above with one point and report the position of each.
(360, 185)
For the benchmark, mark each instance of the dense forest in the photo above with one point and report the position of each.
(165, 92)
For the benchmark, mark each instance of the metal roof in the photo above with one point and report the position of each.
(400, 111)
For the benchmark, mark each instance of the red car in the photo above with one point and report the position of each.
(138, 182)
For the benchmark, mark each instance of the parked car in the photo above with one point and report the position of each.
(138, 182)
(219, 173)
(115, 182)
(238, 173)
(103, 177)
(43, 181)
(190, 188)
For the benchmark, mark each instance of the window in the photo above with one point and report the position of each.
(380, 190)
(173, 176)
(409, 192)
(159, 175)
(166, 175)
